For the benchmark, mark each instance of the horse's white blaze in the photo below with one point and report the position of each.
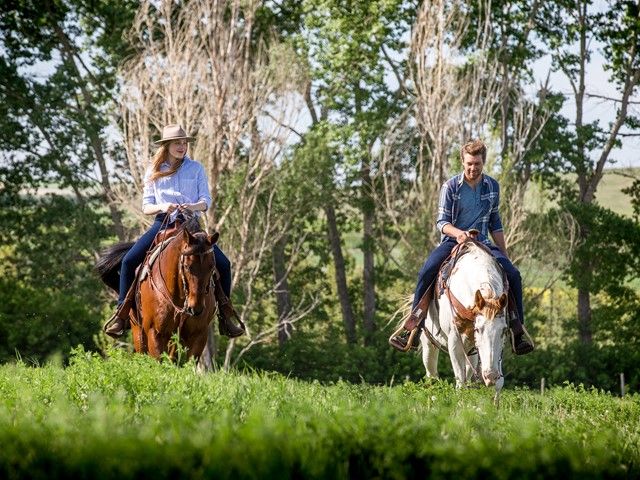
(475, 271)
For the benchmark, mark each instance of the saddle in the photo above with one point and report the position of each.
(447, 269)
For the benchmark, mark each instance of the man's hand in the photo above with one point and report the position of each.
(463, 236)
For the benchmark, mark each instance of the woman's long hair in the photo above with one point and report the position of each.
(158, 159)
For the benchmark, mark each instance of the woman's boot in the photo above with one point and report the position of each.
(226, 314)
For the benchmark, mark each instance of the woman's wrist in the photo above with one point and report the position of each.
(195, 207)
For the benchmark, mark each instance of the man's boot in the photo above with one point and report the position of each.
(401, 340)
(520, 343)
(226, 313)
(115, 326)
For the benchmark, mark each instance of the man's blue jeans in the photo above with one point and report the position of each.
(135, 257)
(429, 272)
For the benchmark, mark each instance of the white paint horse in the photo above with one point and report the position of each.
(467, 318)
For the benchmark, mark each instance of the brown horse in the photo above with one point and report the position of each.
(173, 294)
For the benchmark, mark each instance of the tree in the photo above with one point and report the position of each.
(345, 45)
(618, 29)
(58, 84)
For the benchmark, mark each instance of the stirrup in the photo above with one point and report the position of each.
(395, 344)
(525, 333)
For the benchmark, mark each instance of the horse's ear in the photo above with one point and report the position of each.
(479, 300)
(502, 301)
(213, 238)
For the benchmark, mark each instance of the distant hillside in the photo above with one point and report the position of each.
(609, 193)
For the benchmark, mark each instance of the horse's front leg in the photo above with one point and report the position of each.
(157, 343)
(471, 367)
(139, 343)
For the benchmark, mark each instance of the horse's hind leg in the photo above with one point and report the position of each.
(429, 356)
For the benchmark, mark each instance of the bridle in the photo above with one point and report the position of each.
(183, 278)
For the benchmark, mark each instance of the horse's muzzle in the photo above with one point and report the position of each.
(192, 311)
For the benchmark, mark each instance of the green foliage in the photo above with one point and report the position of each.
(38, 322)
(612, 249)
(634, 192)
(48, 286)
(131, 417)
(620, 33)
(324, 356)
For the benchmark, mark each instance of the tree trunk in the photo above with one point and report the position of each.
(584, 296)
(368, 273)
(283, 296)
(205, 362)
(341, 276)
(584, 315)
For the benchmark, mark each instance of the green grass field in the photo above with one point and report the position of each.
(130, 417)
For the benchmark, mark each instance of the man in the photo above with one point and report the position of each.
(469, 201)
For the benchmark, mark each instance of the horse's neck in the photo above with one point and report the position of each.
(168, 262)
(476, 270)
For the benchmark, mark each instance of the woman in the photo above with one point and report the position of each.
(173, 183)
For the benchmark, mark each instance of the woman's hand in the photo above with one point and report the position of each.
(170, 207)
(200, 206)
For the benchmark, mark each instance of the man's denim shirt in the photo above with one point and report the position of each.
(489, 220)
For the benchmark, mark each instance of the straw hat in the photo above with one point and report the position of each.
(173, 132)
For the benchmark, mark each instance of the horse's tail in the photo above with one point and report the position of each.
(403, 311)
(108, 263)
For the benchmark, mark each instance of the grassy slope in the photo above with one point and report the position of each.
(131, 417)
(609, 193)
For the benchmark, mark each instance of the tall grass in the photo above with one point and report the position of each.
(129, 416)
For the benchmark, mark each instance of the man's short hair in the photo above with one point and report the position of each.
(474, 147)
